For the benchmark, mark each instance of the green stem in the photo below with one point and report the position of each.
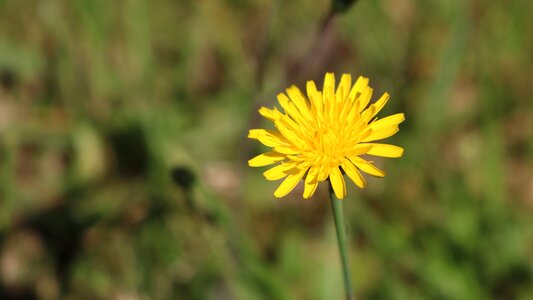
(336, 207)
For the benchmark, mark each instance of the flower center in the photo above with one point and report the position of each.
(328, 145)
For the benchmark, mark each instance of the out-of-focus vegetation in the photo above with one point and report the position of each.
(123, 150)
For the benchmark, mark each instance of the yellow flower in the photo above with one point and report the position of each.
(323, 132)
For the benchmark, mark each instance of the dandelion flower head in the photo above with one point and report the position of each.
(323, 134)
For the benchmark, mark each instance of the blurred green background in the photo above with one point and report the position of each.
(123, 150)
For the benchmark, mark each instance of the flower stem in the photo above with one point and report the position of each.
(336, 207)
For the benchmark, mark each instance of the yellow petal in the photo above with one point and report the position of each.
(367, 167)
(266, 159)
(344, 86)
(360, 84)
(268, 138)
(287, 150)
(347, 107)
(311, 182)
(337, 182)
(295, 117)
(368, 113)
(290, 108)
(328, 93)
(300, 116)
(299, 100)
(319, 108)
(298, 158)
(270, 114)
(381, 134)
(288, 128)
(364, 99)
(256, 133)
(385, 150)
(279, 171)
(311, 88)
(380, 103)
(315, 97)
(366, 133)
(329, 84)
(388, 121)
(353, 115)
(290, 182)
(353, 173)
(323, 173)
(359, 149)
(283, 100)
(287, 105)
